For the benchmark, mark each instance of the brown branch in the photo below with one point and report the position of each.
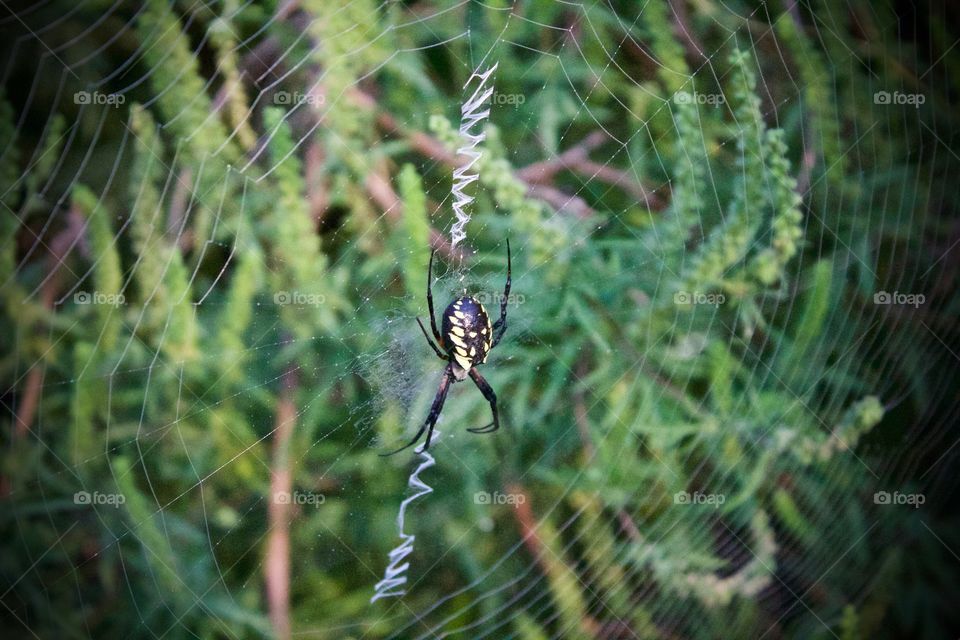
(809, 157)
(381, 191)
(539, 549)
(583, 428)
(183, 185)
(439, 242)
(683, 31)
(543, 171)
(621, 179)
(432, 148)
(29, 402)
(577, 159)
(528, 524)
(318, 189)
(561, 201)
(377, 182)
(580, 413)
(264, 55)
(419, 141)
(33, 384)
(807, 163)
(629, 526)
(276, 568)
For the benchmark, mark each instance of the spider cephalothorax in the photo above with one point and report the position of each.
(466, 342)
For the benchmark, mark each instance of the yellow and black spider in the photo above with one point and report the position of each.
(467, 340)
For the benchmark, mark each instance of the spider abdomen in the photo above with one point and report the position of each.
(467, 333)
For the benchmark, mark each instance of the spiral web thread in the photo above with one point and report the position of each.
(393, 576)
(474, 111)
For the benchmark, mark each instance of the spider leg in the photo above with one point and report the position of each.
(435, 348)
(432, 417)
(500, 326)
(491, 397)
(433, 321)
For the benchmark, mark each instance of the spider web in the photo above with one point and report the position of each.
(235, 490)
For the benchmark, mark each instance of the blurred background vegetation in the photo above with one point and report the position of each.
(216, 224)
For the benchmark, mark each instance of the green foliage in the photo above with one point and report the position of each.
(223, 34)
(182, 97)
(416, 227)
(9, 172)
(295, 247)
(350, 41)
(107, 276)
(729, 242)
(690, 180)
(818, 98)
(270, 259)
(549, 235)
(162, 276)
(786, 226)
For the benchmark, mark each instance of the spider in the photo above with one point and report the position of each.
(466, 342)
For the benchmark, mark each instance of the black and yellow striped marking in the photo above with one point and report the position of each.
(467, 332)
